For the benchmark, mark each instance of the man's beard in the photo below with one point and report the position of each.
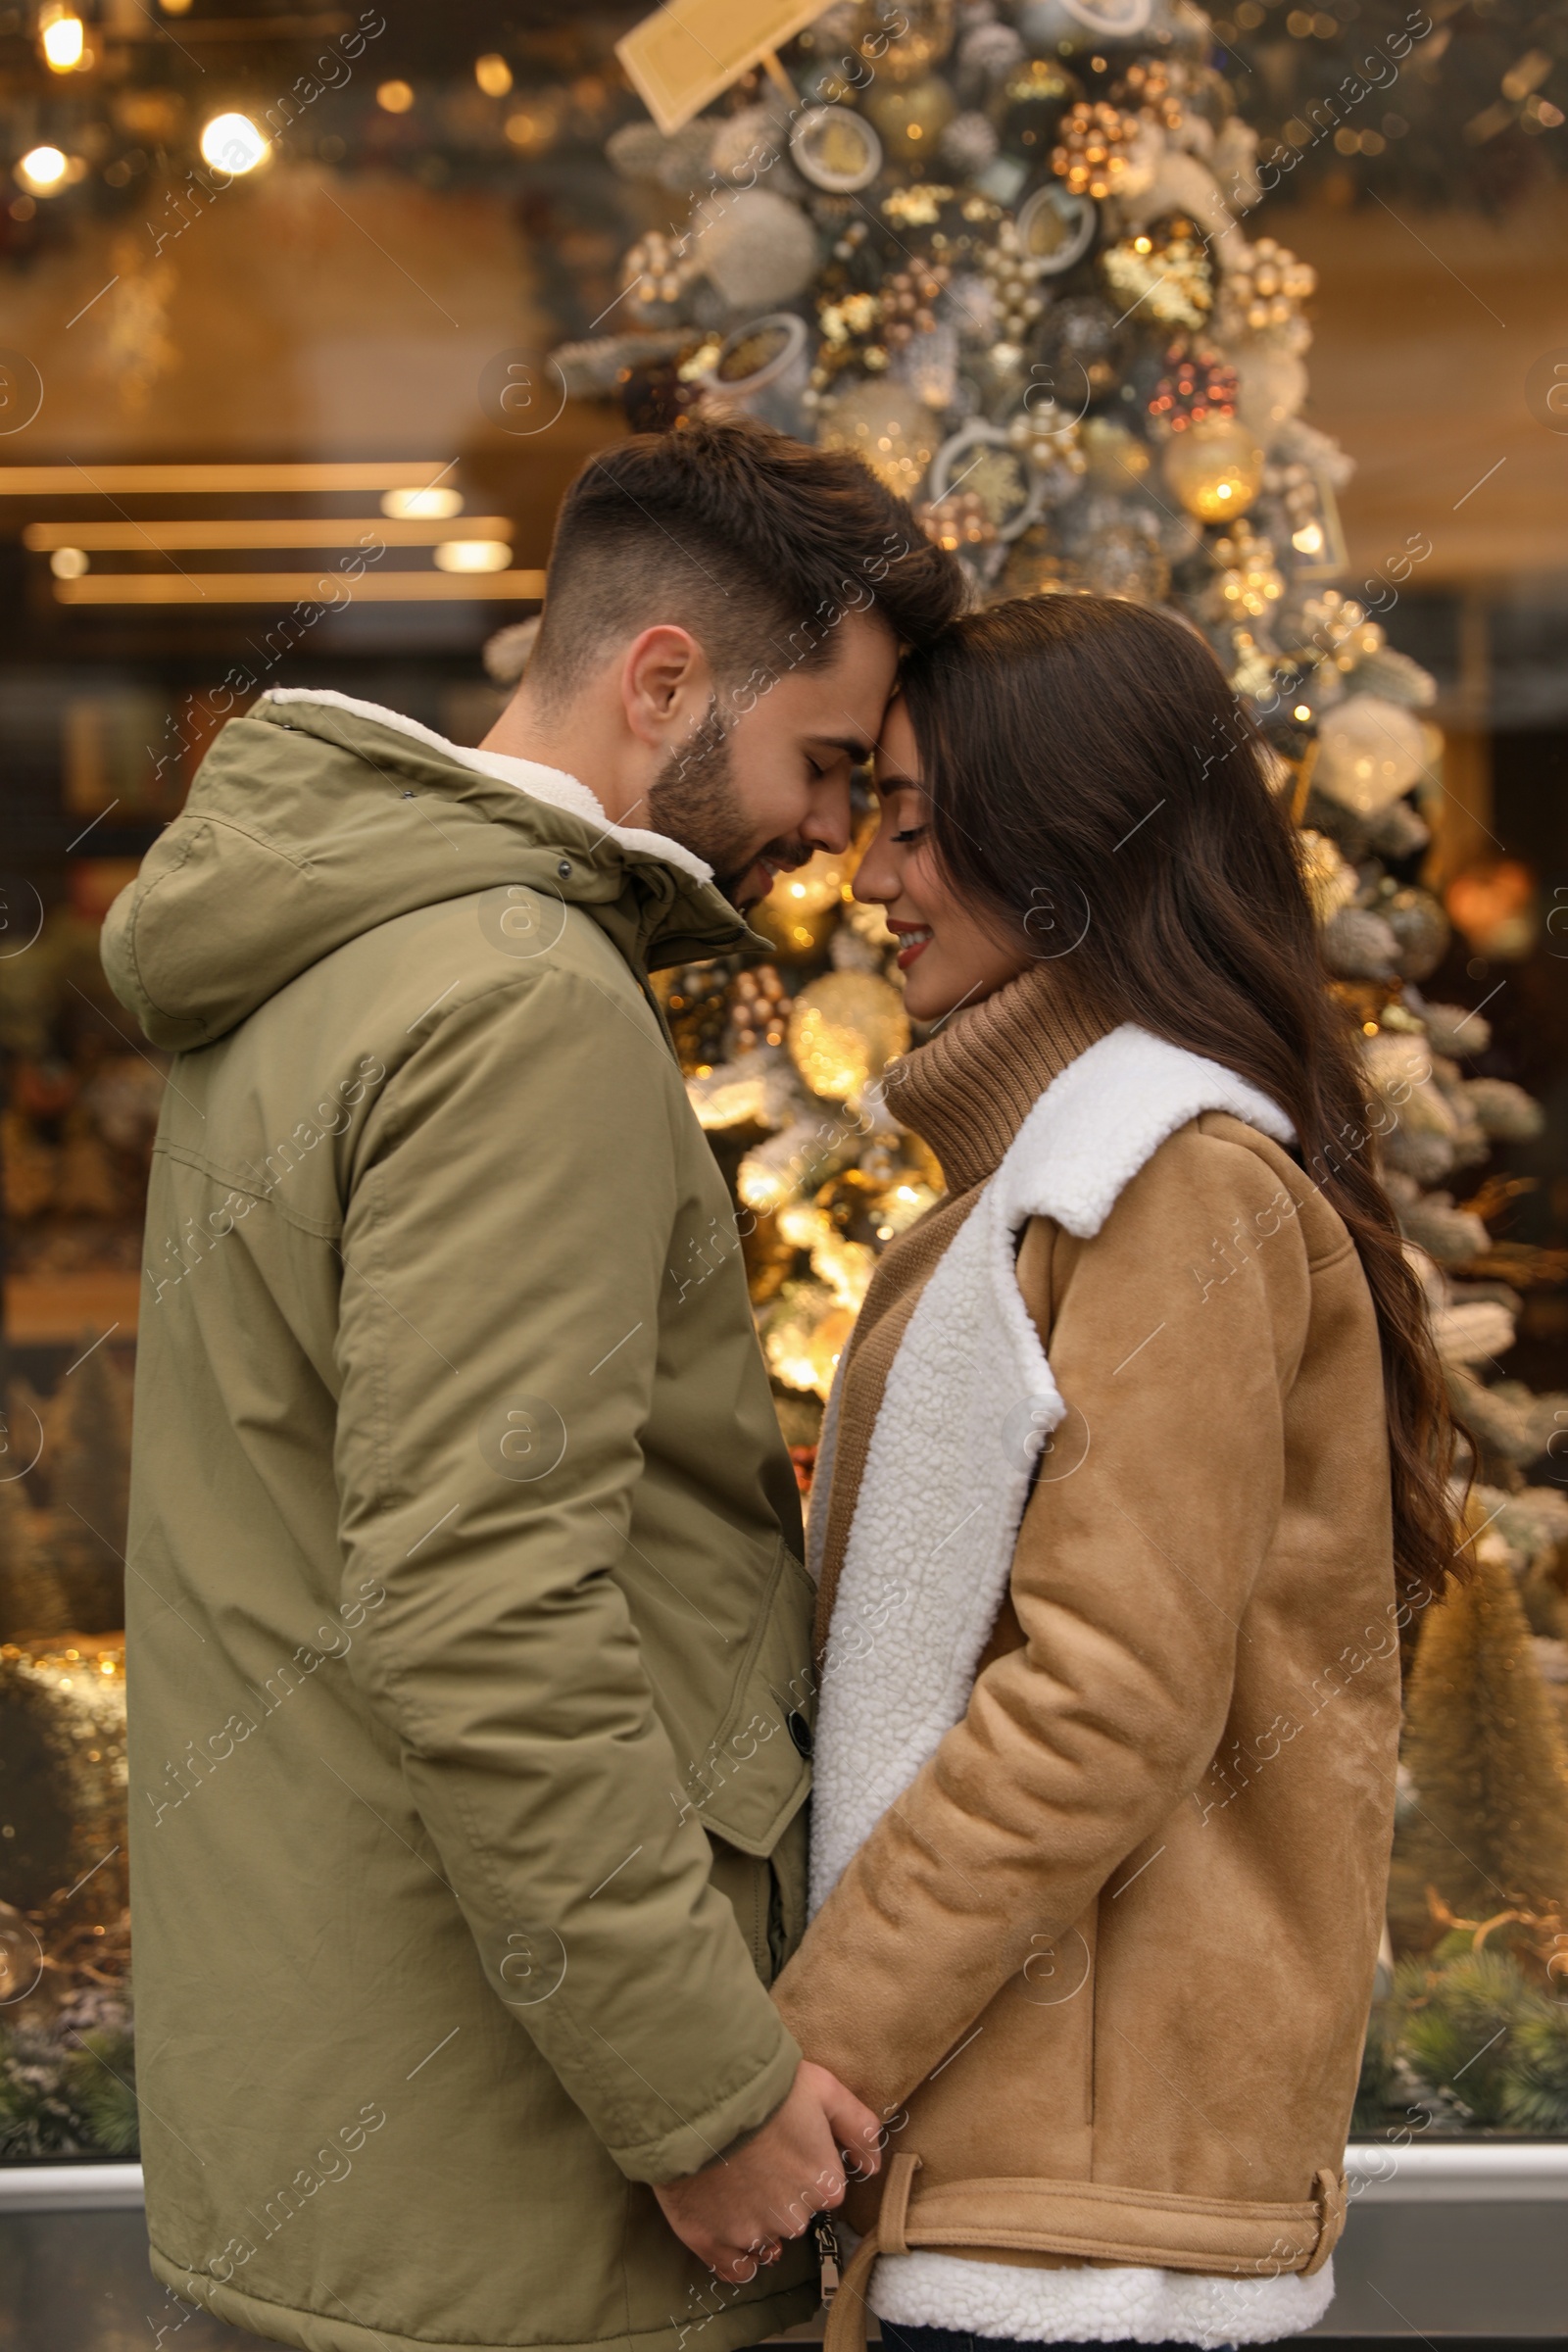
(692, 799)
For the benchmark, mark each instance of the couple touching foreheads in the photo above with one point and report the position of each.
(1054, 1992)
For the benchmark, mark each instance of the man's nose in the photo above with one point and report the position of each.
(830, 821)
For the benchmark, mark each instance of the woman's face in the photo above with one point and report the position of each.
(948, 954)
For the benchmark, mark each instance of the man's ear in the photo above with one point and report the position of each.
(666, 684)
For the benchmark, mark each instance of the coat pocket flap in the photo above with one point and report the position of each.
(757, 1772)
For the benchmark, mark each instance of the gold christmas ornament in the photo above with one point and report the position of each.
(1126, 563)
(657, 269)
(836, 149)
(982, 459)
(1199, 387)
(1249, 581)
(804, 1335)
(959, 519)
(1164, 271)
(1329, 877)
(845, 1030)
(1335, 628)
(1272, 389)
(911, 120)
(1156, 87)
(1055, 228)
(1252, 672)
(1215, 469)
(864, 918)
(886, 424)
(1092, 154)
(821, 883)
(759, 1010)
(904, 41)
(1035, 97)
(729, 1097)
(1115, 457)
(1264, 288)
(1013, 279)
(908, 298)
(1037, 568)
(1369, 753)
(1051, 440)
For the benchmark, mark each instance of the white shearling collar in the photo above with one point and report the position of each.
(551, 785)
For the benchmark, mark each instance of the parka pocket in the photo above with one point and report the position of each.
(757, 1772)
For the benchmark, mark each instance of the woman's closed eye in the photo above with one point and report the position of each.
(910, 833)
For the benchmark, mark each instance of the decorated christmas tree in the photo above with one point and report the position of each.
(1011, 254)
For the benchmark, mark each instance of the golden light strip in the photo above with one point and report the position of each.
(93, 481)
(300, 587)
(320, 531)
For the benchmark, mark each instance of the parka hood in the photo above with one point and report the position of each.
(316, 817)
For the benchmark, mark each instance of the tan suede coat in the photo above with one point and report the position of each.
(1104, 1967)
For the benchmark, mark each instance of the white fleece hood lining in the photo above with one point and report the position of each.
(552, 785)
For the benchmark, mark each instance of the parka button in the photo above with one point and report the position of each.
(798, 1729)
(564, 868)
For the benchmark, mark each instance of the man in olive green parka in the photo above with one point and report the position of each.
(470, 1642)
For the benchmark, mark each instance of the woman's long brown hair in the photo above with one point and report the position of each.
(1092, 778)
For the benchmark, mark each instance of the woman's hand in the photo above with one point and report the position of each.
(736, 2211)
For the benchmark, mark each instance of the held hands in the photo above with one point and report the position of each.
(734, 2213)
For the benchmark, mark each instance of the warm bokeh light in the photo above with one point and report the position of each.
(232, 143)
(64, 38)
(421, 506)
(44, 170)
(532, 132)
(395, 97)
(67, 563)
(493, 75)
(473, 554)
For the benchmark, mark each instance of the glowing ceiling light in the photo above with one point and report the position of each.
(473, 554)
(44, 170)
(232, 143)
(64, 41)
(421, 506)
(493, 75)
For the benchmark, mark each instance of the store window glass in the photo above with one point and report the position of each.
(1247, 316)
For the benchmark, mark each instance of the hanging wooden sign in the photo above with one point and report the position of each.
(689, 52)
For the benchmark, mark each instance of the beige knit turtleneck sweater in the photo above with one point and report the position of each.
(968, 1091)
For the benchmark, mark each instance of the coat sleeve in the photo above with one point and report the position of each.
(504, 1245)
(1132, 1569)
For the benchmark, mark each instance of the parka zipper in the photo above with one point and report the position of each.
(827, 2250)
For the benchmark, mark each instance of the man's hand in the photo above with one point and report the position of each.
(735, 2211)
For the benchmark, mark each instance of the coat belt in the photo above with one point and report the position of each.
(1095, 2222)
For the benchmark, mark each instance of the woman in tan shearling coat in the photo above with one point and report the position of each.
(1134, 1474)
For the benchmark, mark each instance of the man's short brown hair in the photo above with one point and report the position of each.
(755, 543)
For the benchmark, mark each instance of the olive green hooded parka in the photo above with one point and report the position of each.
(469, 1641)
